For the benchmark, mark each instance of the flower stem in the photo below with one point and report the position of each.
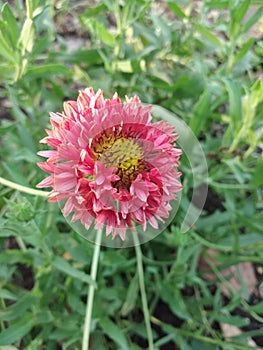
(21, 188)
(29, 9)
(143, 293)
(90, 298)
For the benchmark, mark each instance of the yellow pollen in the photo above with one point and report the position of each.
(117, 151)
(123, 151)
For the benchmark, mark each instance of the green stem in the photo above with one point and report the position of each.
(2, 303)
(21, 188)
(143, 292)
(90, 298)
(29, 10)
(21, 244)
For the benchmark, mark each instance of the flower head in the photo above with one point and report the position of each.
(111, 164)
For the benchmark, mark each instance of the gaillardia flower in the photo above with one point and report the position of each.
(111, 165)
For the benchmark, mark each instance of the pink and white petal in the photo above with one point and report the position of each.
(68, 151)
(153, 222)
(47, 182)
(46, 166)
(64, 182)
(48, 154)
(68, 207)
(56, 197)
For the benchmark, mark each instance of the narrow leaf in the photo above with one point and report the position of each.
(258, 308)
(103, 34)
(244, 49)
(6, 294)
(253, 19)
(6, 44)
(63, 266)
(17, 330)
(239, 11)
(235, 108)
(233, 320)
(176, 9)
(114, 333)
(15, 174)
(10, 19)
(207, 34)
(47, 69)
(202, 111)
(17, 310)
(131, 297)
(257, 179)
(5, 129)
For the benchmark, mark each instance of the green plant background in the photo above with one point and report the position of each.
(199, 59)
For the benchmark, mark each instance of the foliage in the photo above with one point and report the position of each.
(201, 63)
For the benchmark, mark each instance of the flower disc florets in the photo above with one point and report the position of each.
(111, 164)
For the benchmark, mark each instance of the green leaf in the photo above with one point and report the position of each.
(207, 34)
(141, 11)
(233, 320)
(219, 4)
(176, 9)
(243, 241)
(258, 308)
(244, 49)
(65, 330)
(17, 330)
(89, 57)
(104, 35)
(5, 129)
(257, 93)
(65, 267)
(131, 297)
(15, 174)
(10, 20)
(17, 310)
(257, 179)
(202, 111)
(235, 108)
(5, 44)
(237, 14)
(164, 30)
(236, 168)
(26, 138)
(6, 294)
(92, 12)
(14, 256)
(122, 66)
(44, 316)
(174, 299)
(253, 19)
(20, 116)
(114, 332)
(207, 223)
(48, 69)
(239, 11)
(26, 154)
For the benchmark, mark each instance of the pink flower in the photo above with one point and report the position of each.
(110, 163)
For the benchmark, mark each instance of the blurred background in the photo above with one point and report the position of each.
(201, 60)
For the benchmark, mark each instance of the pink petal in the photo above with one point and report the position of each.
(68, 208)
(47, 154)
(47, 182)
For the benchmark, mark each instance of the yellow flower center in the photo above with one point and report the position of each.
(116, 151)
